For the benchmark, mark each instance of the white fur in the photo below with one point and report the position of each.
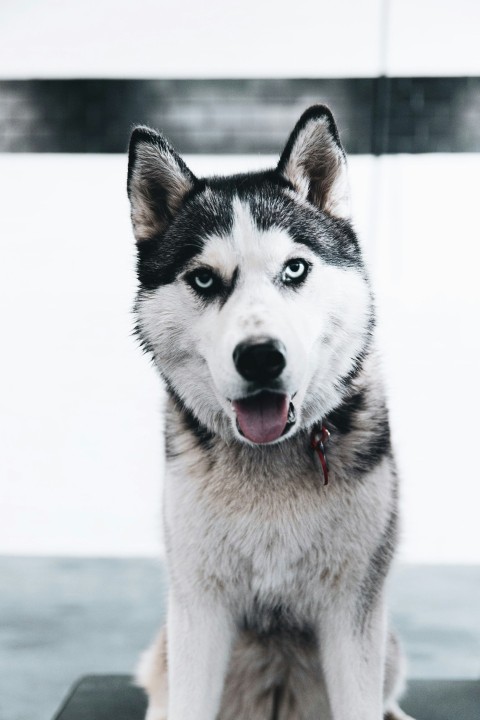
(265, 543)
(194, 345)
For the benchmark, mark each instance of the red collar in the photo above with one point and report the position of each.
(318, 439)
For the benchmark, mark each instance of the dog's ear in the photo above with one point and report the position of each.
(314, 162)
(158, 181)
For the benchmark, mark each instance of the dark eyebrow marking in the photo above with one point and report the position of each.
(225, 287)
(229, 288)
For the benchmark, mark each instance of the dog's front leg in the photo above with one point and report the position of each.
(353, 658)
(199, 634)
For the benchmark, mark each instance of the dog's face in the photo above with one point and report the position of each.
(253, 297)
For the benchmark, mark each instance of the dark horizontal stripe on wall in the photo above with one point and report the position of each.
(375, 115)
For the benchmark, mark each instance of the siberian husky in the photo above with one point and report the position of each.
(280, 507)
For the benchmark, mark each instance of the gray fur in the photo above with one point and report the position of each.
(276, 582)
(378, 568)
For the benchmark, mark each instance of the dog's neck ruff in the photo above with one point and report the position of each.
(318, 439)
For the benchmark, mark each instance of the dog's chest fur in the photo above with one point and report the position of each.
(258, 526)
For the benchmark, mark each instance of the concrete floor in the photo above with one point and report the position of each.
(63, 618)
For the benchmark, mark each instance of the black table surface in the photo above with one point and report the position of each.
(114, 697)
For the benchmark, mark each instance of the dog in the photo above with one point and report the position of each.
(281, 492)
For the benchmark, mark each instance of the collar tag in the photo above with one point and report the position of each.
(317, 443)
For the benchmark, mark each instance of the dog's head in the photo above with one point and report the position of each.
(253, 296)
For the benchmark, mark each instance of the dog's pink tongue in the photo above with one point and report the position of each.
(263, 417)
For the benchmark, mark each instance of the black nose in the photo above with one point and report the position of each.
(260, 360)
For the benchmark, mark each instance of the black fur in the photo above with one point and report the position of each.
(162, 259)
(354, 415)
(275, 620)
(378, 445)
(330, 238)
(204, 437)
(230, 287)
(342, 420)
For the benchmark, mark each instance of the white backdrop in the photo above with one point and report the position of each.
(80, 420)
(80, 416)
(271, 38)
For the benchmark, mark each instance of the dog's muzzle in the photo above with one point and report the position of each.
(260, 360)
(266, 413)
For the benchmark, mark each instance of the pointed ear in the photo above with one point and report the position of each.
(314, 162)
(158, 181)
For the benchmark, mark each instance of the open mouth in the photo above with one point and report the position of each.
(264, 417)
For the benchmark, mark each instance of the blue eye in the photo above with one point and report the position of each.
(295, 271)
(205, 282)
(203, 279)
